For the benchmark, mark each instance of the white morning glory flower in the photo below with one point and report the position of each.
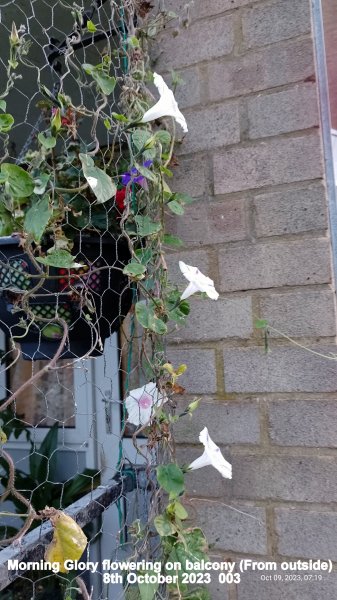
(166, 106)
(198, 282)
(212, 456)
(142, 402)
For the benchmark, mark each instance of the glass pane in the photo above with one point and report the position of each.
(50, 399)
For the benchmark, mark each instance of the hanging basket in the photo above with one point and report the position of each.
(93, 299)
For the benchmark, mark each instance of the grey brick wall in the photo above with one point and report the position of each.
(253, 159)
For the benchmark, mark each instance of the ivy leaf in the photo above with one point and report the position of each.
(134, 269)
(176, 207)
(6, 123)
(3, 105)
(18, 182)
(171, 479)
(142, 314)
(91, 27)
(145, 226)
(156, 324)
(60, 259)
(173, 240)
(164, 526)
(105, 82)
(68, 541)
(101, 184)
(47, 141)
(37, 218)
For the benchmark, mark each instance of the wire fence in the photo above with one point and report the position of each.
(70, 185)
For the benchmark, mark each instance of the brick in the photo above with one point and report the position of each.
(190, 176)
(200, 377)
(268, 23)
(306, 533)
(252, 588)
(187, 93)
(303, 423)
(304, 313)
(211, 222)
(229, 530)
(196, 258)
(266, 265)
(284, 369)
(194, 44)
(211, 128)
(298, 479)
(235, 422)
(198, 481)
(282, 112)
(260, 70)
(291, 211)
(272, 162)
(210, 320)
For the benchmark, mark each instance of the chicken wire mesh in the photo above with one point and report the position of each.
(66, 80)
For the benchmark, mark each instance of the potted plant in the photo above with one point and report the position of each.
(62, 248)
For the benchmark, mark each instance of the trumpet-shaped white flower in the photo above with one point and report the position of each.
(198, 282)
(212, 456)
(166, 106)
(142, 402)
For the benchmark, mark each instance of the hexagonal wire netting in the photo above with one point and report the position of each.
(64, 68)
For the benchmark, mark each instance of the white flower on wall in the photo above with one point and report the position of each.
(198, 282)
(166, 106)
(212, 456)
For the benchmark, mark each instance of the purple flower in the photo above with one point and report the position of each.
(134, 176)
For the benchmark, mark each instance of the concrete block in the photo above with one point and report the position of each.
(266, 265)
(212, 127)
(272, 22)
(216, 320)
(284, 369)
(289, 478)
(282, 112)
(308, 534)
(303, 422)
(261, 70)
(272, 162)
(228, 422)
(303, 313)
(291, 211)
(211, 222)
(200, 377)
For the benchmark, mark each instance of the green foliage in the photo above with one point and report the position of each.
(18, 183)
(41, 485)
(171, 479)
(104, 188)
(100, 74)
(6, 123)
(47, 142)
(58, 258)
(37, 217)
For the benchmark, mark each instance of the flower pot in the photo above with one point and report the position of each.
(93, 300)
